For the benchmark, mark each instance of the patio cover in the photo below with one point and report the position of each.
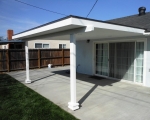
(62, 28)
(77, 28)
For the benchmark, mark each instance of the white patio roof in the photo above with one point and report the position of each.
(62, 28)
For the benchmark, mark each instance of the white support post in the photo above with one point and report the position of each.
(73, 105)
(27, 65)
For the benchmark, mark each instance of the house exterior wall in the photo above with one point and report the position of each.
(4, 46)
(85, 57)
(46, 39)
(52, 43)
(85, 54)
(147, 62)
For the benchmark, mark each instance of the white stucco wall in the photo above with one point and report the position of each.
(52, 43)
(4, 46)
(84, 57)
(147, 69)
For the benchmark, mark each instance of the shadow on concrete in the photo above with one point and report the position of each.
(42, 78)
(87, 95)
(99, 81)
(95, 80)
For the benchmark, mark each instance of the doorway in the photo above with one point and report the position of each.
(120, 60)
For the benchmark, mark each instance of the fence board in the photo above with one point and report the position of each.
(39, 58)
(15, 59)
(17, 65)
(3, 63)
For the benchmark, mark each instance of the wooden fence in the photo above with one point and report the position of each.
(15, 59)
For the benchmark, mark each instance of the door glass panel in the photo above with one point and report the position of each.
(102, 59)
(112, 59)
(139, 61)
(121, 60)
(125, 62)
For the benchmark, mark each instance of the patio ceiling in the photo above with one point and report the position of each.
(83, 28)
(96, 34)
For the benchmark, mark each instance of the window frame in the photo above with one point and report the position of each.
(62, 46)
(42, 45)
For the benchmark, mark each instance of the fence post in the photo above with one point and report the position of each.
(7, 59)
(39, 58)
(62, 57)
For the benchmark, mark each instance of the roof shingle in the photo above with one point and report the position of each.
(142, 21)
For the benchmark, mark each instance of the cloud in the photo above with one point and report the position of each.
(17, 24)
(24, 21)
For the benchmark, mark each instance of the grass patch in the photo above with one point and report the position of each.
(18, 102)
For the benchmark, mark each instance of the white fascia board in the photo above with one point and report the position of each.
(146, 34)
(55, 25)
(89, 28)
(102, 25)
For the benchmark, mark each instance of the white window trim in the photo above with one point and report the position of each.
(42, 45)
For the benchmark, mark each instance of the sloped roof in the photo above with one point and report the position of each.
(142, 21)
(75, 24)
(73, 16)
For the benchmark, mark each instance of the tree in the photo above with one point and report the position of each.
(1, 38)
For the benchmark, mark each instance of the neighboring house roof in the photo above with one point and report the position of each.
(142, 21)
(10, 41)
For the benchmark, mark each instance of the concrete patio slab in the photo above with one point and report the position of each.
(99, 98)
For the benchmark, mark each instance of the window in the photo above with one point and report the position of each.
(45, 45)
(62, 46)
(40, 45)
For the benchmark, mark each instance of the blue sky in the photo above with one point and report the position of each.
(20, 17)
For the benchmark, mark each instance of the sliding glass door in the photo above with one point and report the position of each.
(121, 60)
